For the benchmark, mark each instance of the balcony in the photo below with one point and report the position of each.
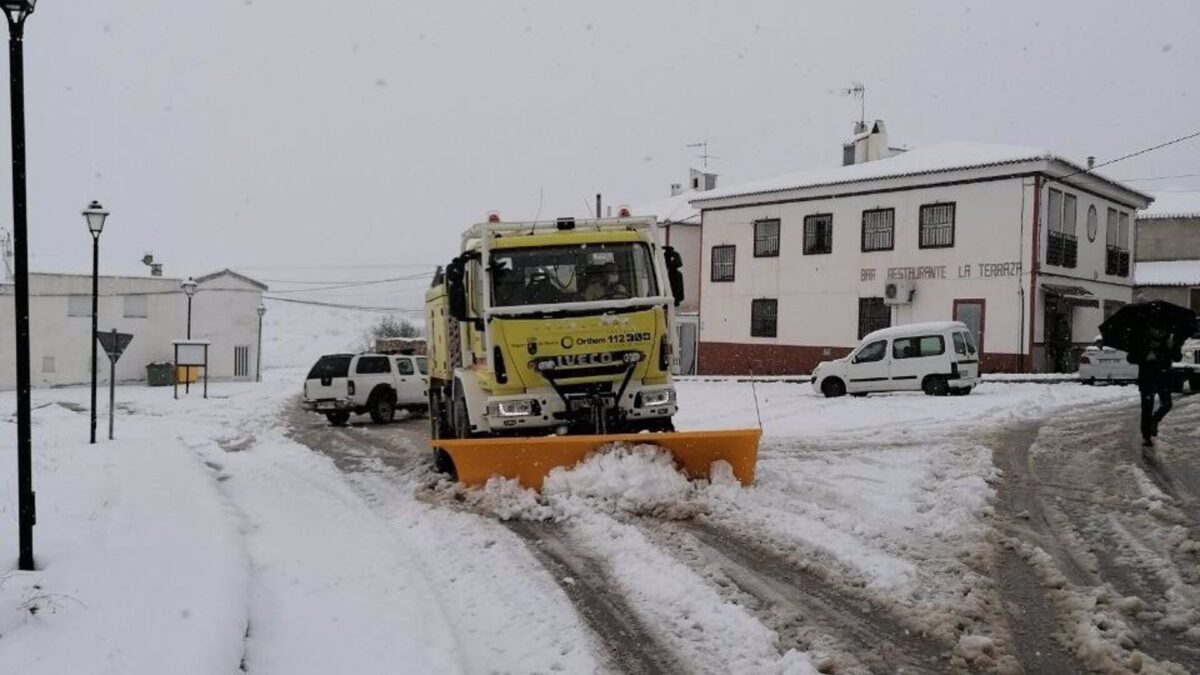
(1062, 249)
(1116, 262)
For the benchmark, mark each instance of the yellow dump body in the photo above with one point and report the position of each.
(530, 459)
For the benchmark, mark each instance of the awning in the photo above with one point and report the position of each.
(1072, 295)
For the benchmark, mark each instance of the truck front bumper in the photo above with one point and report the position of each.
(543, 408)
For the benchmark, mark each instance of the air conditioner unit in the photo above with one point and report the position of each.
(899, 292)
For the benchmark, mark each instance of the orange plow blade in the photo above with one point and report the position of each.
(530, 459)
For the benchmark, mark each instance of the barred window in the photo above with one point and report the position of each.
(1061, 244)
(766, 238)
(937, 225)
(879, 230)
(818, 234)
(723, 260)
(1116, 258)
(764, 318)
(873, 315)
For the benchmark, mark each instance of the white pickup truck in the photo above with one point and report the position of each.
(343, 384)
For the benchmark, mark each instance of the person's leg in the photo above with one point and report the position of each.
(1147, 413)
(1165, 404)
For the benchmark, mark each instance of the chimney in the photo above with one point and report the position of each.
(156, 269)
(676, 189)
(1091, 162)
(868, 144)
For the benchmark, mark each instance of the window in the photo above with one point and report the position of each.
(764, 318)
(818, 234)
(872, 316)
(404, 366)
(79, 305)
(879, 230)
(1070, 212)
(545, 275)
(372, 365)
(241, 361)
(872, 352)
(918, 347)
(423, 365)
(135, 307)
(1093, 223)
(723, 259)
(937, 225)
(960, 344)
(766, 238)
(327, 367)
(1062, 247)
(1054, 211)
(1116, 259)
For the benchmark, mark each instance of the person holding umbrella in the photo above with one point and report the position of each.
(1152, 333)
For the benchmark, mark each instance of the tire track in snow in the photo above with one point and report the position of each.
(629, 643)
(845, 629)
(1069, 501)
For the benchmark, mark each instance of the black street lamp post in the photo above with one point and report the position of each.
(261, 309)
(189, 288)
(95, 214)
(16, 11)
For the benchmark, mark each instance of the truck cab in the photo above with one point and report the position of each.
(561, 327)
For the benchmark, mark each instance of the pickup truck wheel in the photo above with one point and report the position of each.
(383, 407)
(338, 419)
(833, 388)
(935, 385)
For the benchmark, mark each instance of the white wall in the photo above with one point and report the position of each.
(62, 341)
(818, 294)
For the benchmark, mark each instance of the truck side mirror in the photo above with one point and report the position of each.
(456, 289)
(674, 273)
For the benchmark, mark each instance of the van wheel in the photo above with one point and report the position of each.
(383, 407)
(1091, 381)
(935, 385)
(833, 388)
(338, 419)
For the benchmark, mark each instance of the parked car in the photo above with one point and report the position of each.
(938, 358)
(1099, 363)
(343, 384)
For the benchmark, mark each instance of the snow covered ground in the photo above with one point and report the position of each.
(205, 539)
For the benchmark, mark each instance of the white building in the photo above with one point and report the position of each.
(1168, 249)
(152, 309)
(1028, 249)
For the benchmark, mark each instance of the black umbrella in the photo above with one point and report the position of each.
(1131, 328)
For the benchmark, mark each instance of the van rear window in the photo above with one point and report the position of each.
(917, 347)
(330, 366)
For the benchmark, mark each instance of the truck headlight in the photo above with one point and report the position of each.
(632, 357)
(521, 408)
(650, 399)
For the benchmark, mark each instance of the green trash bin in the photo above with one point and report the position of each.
(159, 374)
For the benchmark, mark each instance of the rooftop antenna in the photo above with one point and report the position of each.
(703, 145)
(858, 90)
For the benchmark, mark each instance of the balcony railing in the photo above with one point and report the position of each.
(1062, 249)
(1116, 262)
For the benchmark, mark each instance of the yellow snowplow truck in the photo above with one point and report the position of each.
(548, 340)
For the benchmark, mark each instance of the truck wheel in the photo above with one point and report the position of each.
(1194, 383)
(935, 385)
(383, 407)
(438, 427)
(338, 419)
(460, 418)
(833, 388)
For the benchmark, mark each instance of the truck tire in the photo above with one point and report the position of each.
(935, 385)
(833, 388)
(1194, 383)
(382, 406)
(439, 427)
(460, 417)
(339, 418)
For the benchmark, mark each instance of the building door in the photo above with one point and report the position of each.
(971, 313)
(241, 361)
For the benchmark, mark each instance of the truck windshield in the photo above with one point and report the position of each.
(548, 275)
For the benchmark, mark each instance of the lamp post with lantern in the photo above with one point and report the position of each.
(16, 11)
(189, 289)
(95, 214)
(261, 309)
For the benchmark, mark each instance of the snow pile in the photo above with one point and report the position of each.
(617, 478)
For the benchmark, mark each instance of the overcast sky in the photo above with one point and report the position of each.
(283, 133)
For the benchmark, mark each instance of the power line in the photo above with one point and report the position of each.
(1179, 175)
(358, 284)
(361, 308)
(1133, 154)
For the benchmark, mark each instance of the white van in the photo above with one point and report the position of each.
(938, 358)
